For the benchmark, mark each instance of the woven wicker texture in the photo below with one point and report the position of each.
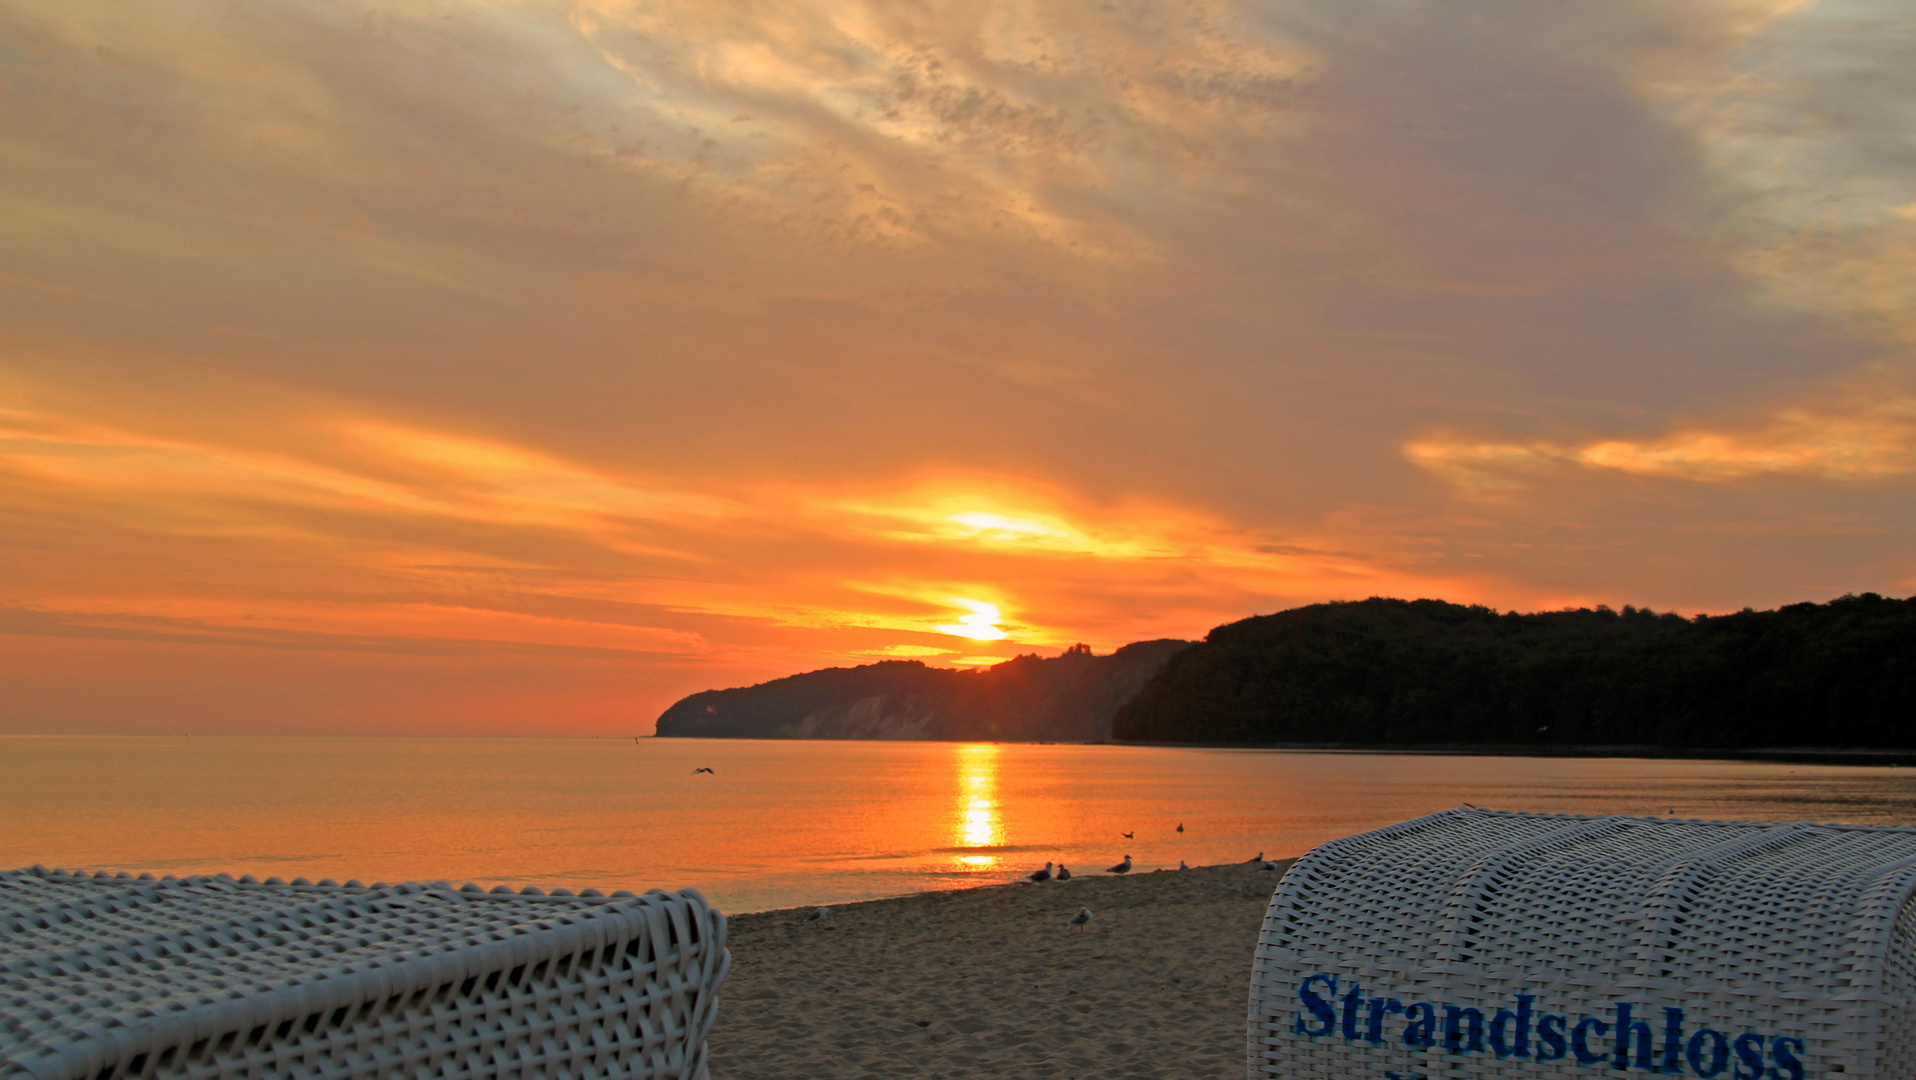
(116, 978)
(1487, 944)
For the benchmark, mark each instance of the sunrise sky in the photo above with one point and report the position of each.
(481, 366)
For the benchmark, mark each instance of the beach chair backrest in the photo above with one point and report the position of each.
(111, 977)
(1492, 944)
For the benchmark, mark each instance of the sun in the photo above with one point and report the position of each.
(980, 625)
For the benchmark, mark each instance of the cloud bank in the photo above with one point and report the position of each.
(520, 366)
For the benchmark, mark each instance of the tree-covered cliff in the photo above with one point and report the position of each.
(1395, 672)
(1031, 698)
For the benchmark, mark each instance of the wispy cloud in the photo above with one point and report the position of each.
(1860, 439)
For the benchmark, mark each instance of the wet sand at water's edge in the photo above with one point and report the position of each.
(991, 982)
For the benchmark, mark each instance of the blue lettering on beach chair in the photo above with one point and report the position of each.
(1580, 1040)
(1352, 999)
(1316, 1005)
(1630, 1033)
(1550, 1038)
(1459, 1022)
(1502, 1042)
(1421, 1027)
(1633, 1042)
(1672, 1040)
(1718, 1049)
(1785, 1051)
(1380, 1008)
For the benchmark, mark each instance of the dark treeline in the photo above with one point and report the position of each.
(1379, 671)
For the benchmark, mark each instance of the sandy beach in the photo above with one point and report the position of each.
(992, 982)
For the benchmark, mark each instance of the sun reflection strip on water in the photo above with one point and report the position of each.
(977, 821)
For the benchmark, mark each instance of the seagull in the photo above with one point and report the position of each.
(701, 769)
(1128, 835)
(1063, 874)
(1081, 918)
(1180, 826)
(819, 915)
(1040, 875)
(1267, 868)
(1182, 865)
(1259, 857)
(1122, 868)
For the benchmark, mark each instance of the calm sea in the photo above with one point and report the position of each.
(780, 824)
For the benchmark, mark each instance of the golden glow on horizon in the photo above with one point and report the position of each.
(1000, 525)
(981, 624)
(364, 537)
(977, 817)
(906, 651)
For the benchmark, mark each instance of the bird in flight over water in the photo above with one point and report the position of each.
(1128, 835)
(701, 769)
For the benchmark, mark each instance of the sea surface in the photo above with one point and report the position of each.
(783, 824)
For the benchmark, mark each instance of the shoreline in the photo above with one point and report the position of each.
(1781, 755)
(992, 980)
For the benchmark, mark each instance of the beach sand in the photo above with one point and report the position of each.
(991, 982)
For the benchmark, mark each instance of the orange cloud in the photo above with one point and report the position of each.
(364, 536)
(1855, 441)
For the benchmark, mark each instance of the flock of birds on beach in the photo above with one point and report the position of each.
(1060, 872)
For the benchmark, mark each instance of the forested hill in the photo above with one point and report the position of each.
(1379, 671)
(1068, 698)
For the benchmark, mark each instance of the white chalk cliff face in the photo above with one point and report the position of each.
(880, 716)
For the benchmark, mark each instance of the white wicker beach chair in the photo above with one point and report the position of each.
(110, 977)
(1485, 944)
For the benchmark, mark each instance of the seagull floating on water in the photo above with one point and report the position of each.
(701, 769)
(1122, 868)
(1040, 875)
(1081, 918)
(819, 915)
(1180, 826)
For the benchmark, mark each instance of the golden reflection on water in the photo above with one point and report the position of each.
(977, 820)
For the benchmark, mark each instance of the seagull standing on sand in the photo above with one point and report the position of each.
(1040, 875)
(1081, 918)
(1122, 868)
(1267, 868)
(819, 915)
(1182, 865)
(1063, 873)
(1259, 857)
